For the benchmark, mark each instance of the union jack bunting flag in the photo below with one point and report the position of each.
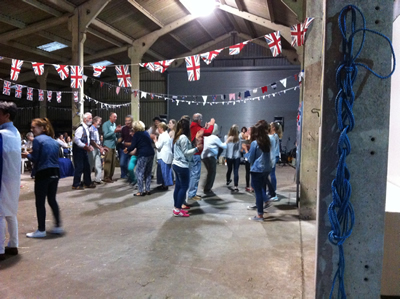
(49, 95)
(307, 22)
(41, 95)
(6, 87)
(15, 69)
(29, 94)
(208, 57)
(38, 68)
(193, 67)
(234, 50)
(62, 70)
(58, 96)
(97, 70)
(274, 43)
(76, 76)
(18, 91)
(148, 65)
(124, 78)
(75, 96)
(161, 66)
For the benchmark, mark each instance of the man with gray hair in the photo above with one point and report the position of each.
(110, 130)
(95, 155)
(80, 150)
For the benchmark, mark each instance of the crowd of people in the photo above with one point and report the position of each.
(172, 152)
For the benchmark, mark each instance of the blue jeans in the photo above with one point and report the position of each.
(235, 163)
(273, 175)
(181, 185)
(123, 163)
(258, 182)
(195, 171)
(46, 187)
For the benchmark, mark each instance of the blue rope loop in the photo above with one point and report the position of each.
(340, 210)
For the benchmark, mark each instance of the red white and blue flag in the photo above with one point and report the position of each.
(76, 96)
(193, 67)
(6, 87)
(49, 95)
(38, 68)
(124, 78)
(234, 50)
(18, 91)
(307, 22)
(29, 94)
(58, 96)
(148, 65)
(208, 57)
(274, 43)
(296, 32)
(41, 95)
(161, 66)
(97, 70)
(15, 69)
(76, 76)
(63, 70)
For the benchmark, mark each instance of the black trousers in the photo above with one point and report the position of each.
(46, 187)
(81, 164)
(211, 165)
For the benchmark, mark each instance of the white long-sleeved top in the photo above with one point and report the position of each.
(163, 146)
(211, 145)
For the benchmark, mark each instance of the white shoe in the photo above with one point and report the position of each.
(275, 198)
(57, 230)
(36, 234)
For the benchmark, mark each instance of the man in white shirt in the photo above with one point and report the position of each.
(80, 149)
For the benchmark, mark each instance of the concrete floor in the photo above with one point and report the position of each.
(120, 246)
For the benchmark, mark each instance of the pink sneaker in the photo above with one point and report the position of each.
(181, 213)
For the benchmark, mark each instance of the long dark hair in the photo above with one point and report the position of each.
(182, 128)
(261, 135)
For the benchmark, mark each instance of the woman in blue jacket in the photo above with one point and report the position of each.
(260, 166)
(45, 157)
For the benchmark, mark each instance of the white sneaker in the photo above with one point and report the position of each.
(36, 234)
(275, 198)
(57, 230)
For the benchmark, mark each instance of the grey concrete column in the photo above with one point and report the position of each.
(136, 56)
(311, 96)
(367, 163)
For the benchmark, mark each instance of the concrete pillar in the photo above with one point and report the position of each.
(311, 96)
(43, 85)
(367, 163)
(136, 57)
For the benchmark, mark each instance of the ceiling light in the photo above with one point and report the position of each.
(199, 8)
(102, 63)
(50, 47)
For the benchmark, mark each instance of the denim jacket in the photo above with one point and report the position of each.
(183, 152)
(259, 161)
(44, 152)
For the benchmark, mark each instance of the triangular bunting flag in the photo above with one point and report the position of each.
(29, 94)
(124, 78)
(97, 70)
(38, 68)
(84, 77)
(15, 69)
(18, 91)
(234, 50)
(161, 66)
(204, 99)
(117, 89)
(193, 67)
(283, 81)
(62, 70)
(76, 76)
(148, 65)
(208, 57)
(274, 43)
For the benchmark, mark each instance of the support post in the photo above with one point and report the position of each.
(135, 54)
(367, 163)
(42, 80)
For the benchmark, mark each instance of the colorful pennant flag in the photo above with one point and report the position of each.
(49, 95)
(76, 76)
(124, 78)
(148, 65)
(204, 99)
(117, 89)
(264, 89)
(307, 22)
(6, 87)
(76, 96)
(97, 70)
(193, 67)
(15, 69)
(234, 50)
(161, 66)
(247, 94)
(29, 94)
(18, 91)
(208, 57)
(274, 43)
(273, 85)
(41, 95)
(143, 94)
(38, 68)
(283, 81)
(232, 96)
(63, 70)
(58, 96)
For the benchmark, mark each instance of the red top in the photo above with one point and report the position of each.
(194, 128)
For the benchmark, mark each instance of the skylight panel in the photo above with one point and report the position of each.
(102, 63)
(51, 47)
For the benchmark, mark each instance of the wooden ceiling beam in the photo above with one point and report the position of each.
(104, 37)
(249, 25)
(43, 7)
(271, 11)
(146, 13)
(205, 29)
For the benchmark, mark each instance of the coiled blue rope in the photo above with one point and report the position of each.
(340, 211)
